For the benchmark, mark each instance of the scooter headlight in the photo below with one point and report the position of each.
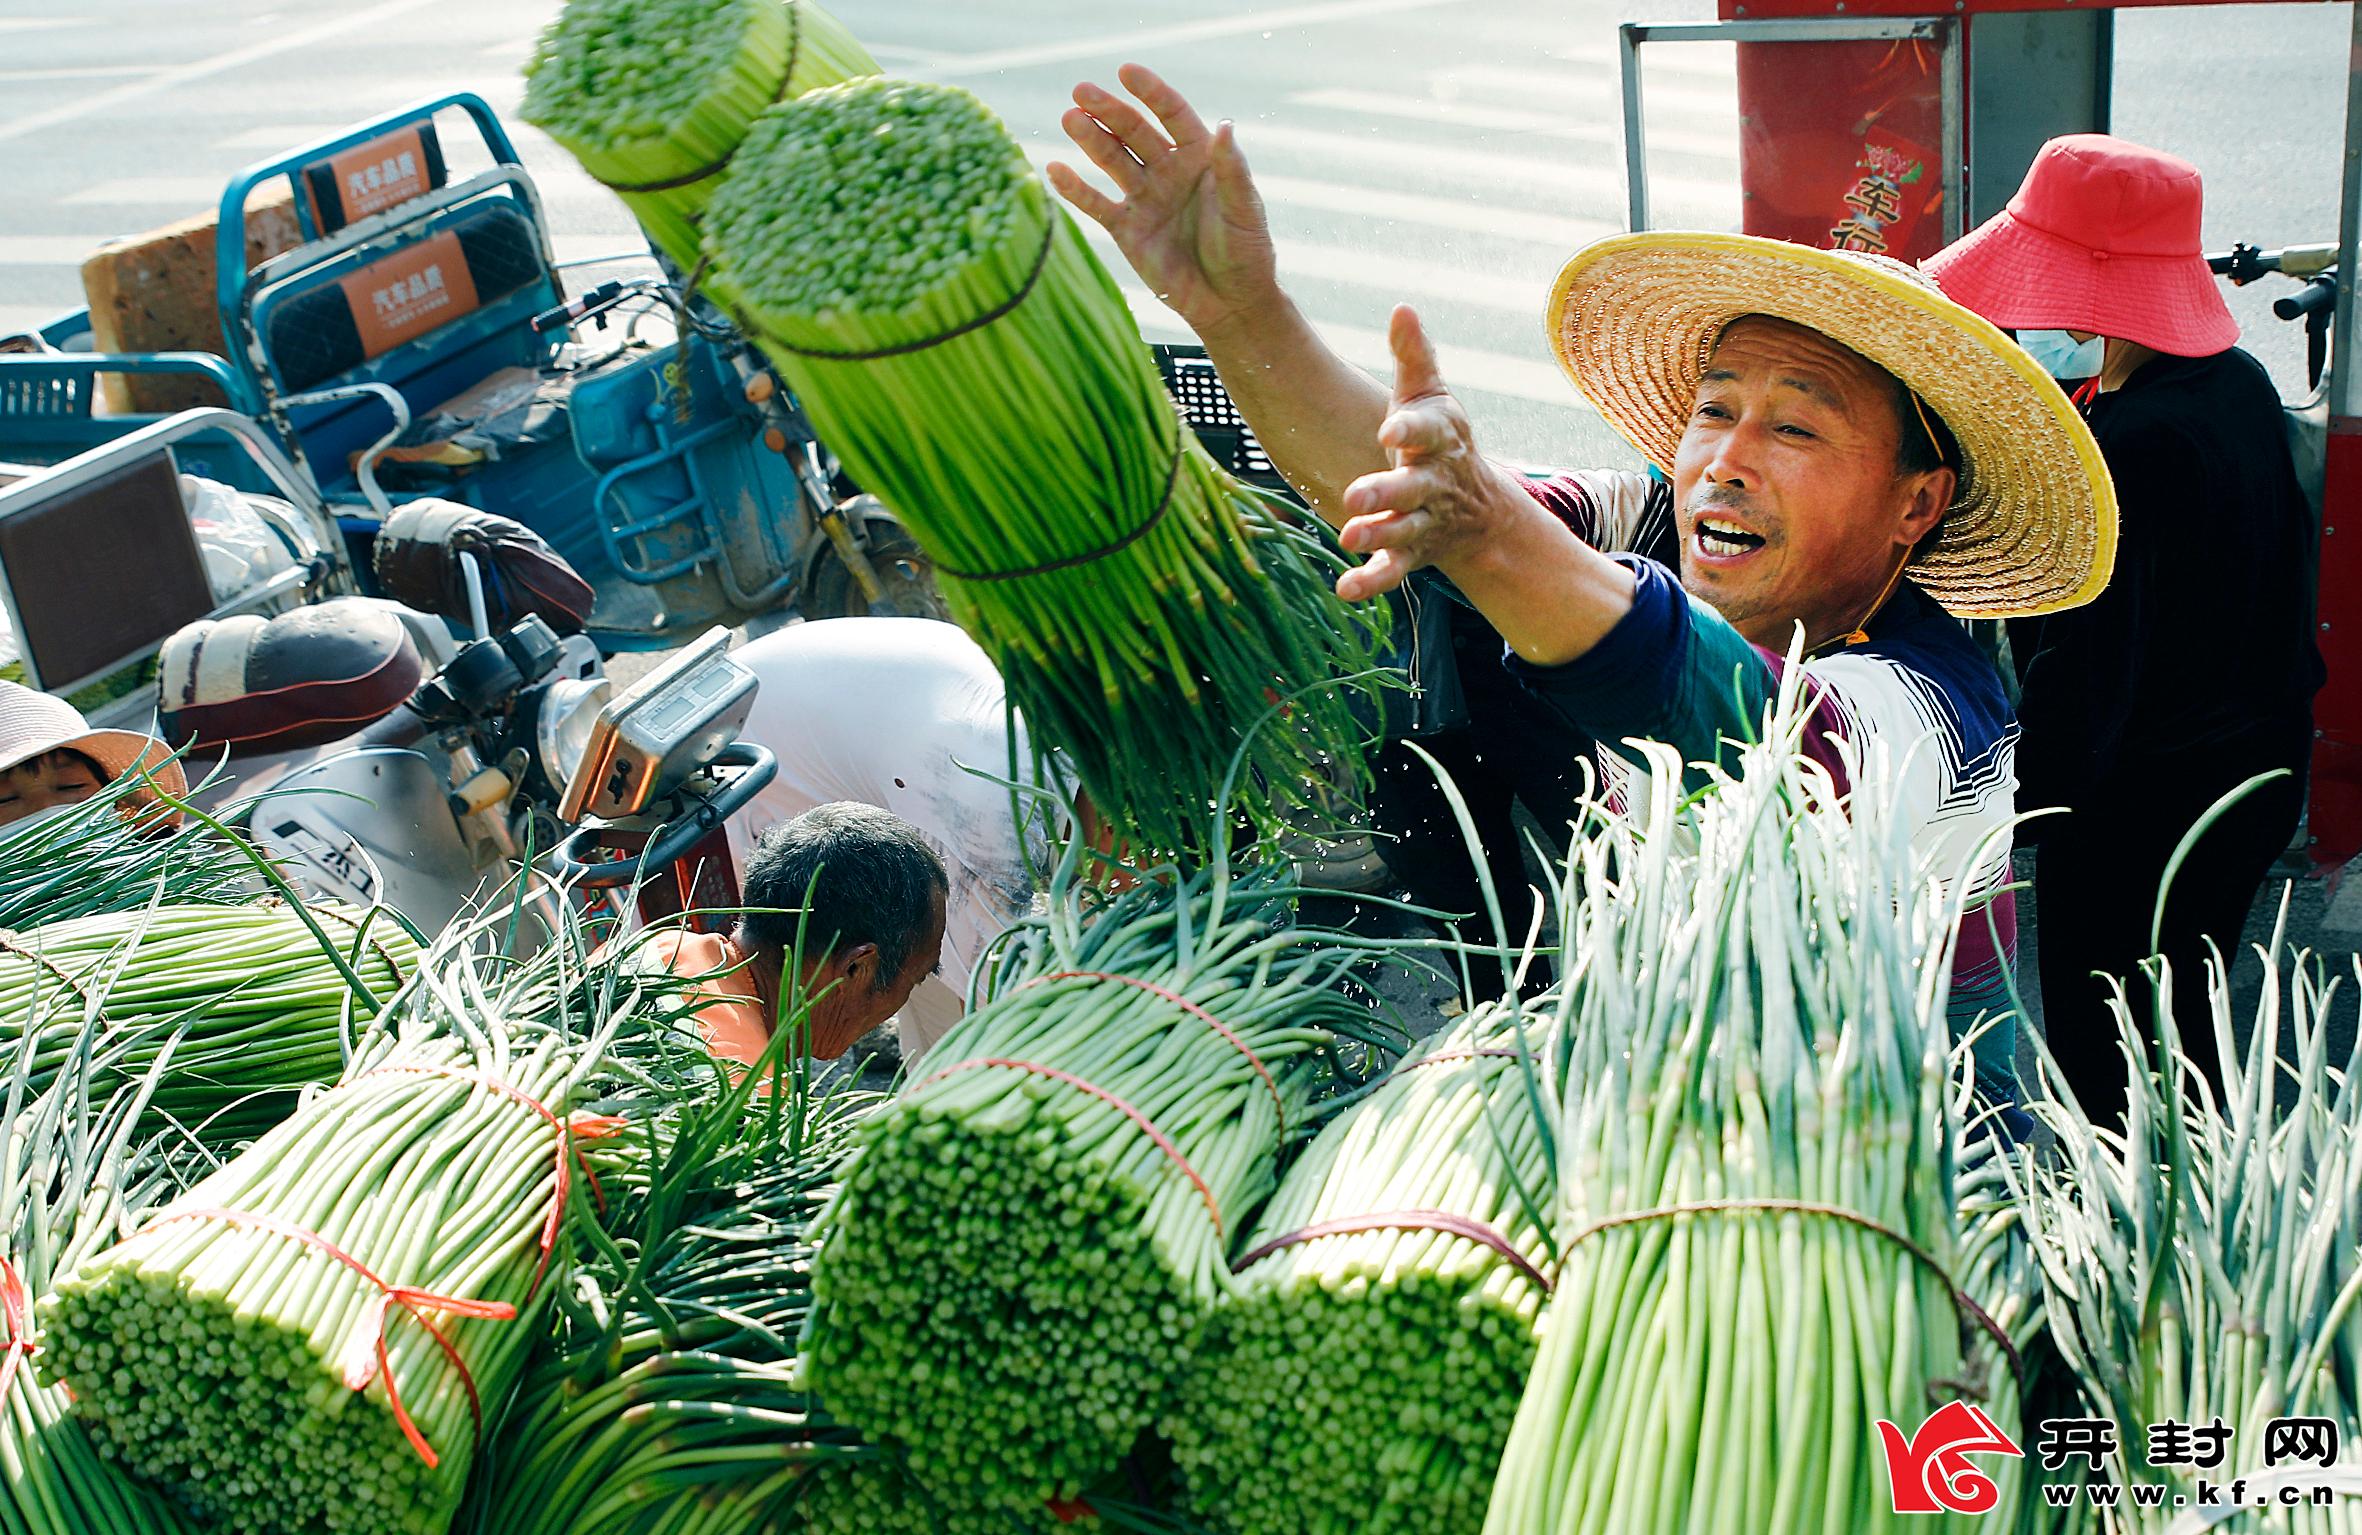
(562, 733)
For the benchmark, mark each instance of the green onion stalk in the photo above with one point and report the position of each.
(315, 1337)
(251, 1002)
(2200, 1262)
(659, 93)
(872, 1492)
(1146, 611)
(669, 1399)
(1031, 1236)
(1759, 1253)
(1364, 1380)
(108, 854)
(73, 1172)
(2001, 1272)
(669, 1396)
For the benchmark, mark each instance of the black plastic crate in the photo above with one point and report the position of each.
(1197, 390)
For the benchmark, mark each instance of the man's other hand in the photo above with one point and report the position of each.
(1442, 500)
(1189, 221)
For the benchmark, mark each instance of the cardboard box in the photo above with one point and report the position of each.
(153, 292)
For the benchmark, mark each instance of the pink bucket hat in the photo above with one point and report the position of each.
(2103, 236)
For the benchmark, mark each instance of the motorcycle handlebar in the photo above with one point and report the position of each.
(2244, 263)
(404, 727)
(675, 839)
(598, 298)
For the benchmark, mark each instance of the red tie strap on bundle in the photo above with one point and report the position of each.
(17, 1310)
(588, 1126)
(357, 1373)
(1189, 1007)
(1445, 1221)
(362, 934)
(1164, 1142)
(10, 944)
(1964, 1305)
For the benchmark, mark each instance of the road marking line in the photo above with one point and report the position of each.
(1401, 278)
(190, 192)
(21, 317)
(1598, 186)
(1714, 60)
(1404, 278)
(1669, 104)
(1664, 90)
(1516, 120)
(107, 101)
(1560, 231)
(1462, 216)
(1469, 368)
(279, 136)
(903, 53)
(79, 72)
(41, 23)
(47, 250)
(624, 248)
(1144, 40)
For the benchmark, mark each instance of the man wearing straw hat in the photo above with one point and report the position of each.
(1853, 459)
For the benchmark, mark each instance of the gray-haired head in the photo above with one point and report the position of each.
(872, 880)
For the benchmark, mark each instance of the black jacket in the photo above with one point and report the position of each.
(2199, 656)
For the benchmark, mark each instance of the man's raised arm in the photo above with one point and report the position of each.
(1192, 225)
(1397, 472)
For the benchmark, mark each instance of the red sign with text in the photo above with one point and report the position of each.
(403, 296)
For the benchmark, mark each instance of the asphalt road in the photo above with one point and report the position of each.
(1448, 153)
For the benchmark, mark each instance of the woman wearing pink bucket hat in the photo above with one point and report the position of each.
(2196, 669)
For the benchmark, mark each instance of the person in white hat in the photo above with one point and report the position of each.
(50, 758)
(1851, 459)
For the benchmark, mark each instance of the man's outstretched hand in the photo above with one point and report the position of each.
(1442, 500)
(1189, 220)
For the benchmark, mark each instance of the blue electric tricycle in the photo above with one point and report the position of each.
(418, 341)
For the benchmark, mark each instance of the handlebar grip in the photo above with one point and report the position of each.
(2318, 294)
(404, 727)
(576, 308)
(677, 838)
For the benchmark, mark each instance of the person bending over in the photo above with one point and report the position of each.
(867, 894)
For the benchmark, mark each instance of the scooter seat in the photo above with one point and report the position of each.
(417, 561)
(313, 675)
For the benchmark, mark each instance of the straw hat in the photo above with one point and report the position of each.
(34, 724)
(2032, 528)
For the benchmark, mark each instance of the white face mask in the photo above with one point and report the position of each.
(2062, 356)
